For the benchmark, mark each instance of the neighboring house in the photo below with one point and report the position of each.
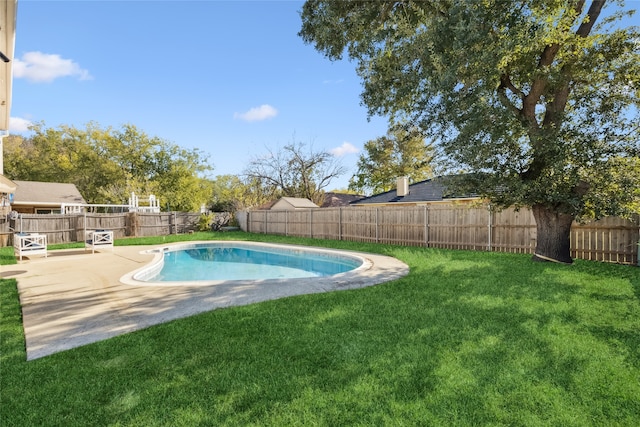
(424, 192)
(335, 200)
(292, 203)
(32, 197)
(331, 200)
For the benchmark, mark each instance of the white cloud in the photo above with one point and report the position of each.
(38, 67)
(345, 148)
(255, 114)
(18, 125)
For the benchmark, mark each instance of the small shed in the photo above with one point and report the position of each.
(33, 197)
(292, 204)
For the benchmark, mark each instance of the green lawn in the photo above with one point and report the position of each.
(467, 338)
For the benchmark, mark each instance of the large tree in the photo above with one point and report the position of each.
(404, 151)
(66, 154)
(296, 170)
(107, 165)
(538, 100)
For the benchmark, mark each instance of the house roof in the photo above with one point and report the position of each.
(6, 185)
(333, 200)
(266, 206)
(34, 193)
(298, 202)
(430, 190)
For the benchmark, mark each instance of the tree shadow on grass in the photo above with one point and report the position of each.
(464, 339)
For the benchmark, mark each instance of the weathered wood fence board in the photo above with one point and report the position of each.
(71, 227)
(452, 226)
(448, 226)
(513, 231)
(610, 239)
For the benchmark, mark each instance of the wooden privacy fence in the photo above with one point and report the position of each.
(71, 227)
(611, 239)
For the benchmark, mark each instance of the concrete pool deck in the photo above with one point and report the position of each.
(74, 297)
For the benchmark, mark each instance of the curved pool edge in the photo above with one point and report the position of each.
(375, 269)
(104, 307)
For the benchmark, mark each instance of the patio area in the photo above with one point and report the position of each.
(74, 297)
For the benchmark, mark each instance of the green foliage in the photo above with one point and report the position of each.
(538, 99)
(204, 222)
(231, 194)
(402, 152)
(66, 155)
(107, 165)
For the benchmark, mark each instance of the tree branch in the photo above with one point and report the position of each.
(505, 82)
(504, 99)
(592, 14)
(546, 59)
(561, 95)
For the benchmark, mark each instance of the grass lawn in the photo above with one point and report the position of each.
(467, 338)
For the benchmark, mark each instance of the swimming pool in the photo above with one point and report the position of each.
(205, 263)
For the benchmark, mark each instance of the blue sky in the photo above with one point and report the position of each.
(227, 77)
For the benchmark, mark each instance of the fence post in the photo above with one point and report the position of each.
(426, 225)
(133, 229)
(490, 226)
(84, 227)
(286, 223)
(638, 245)
(340, 223)
(311, 223)
(377, 238)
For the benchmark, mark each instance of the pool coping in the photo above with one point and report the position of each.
(73, 297)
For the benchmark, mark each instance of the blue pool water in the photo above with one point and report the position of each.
(210, 262)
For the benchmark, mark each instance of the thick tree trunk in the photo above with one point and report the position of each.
(554, 230)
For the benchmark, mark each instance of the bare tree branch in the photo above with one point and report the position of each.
(296, 171)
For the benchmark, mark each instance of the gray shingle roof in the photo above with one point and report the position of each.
(332, 200)
(430, 190)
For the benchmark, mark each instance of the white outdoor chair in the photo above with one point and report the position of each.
(29, 244)
(98, 239)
